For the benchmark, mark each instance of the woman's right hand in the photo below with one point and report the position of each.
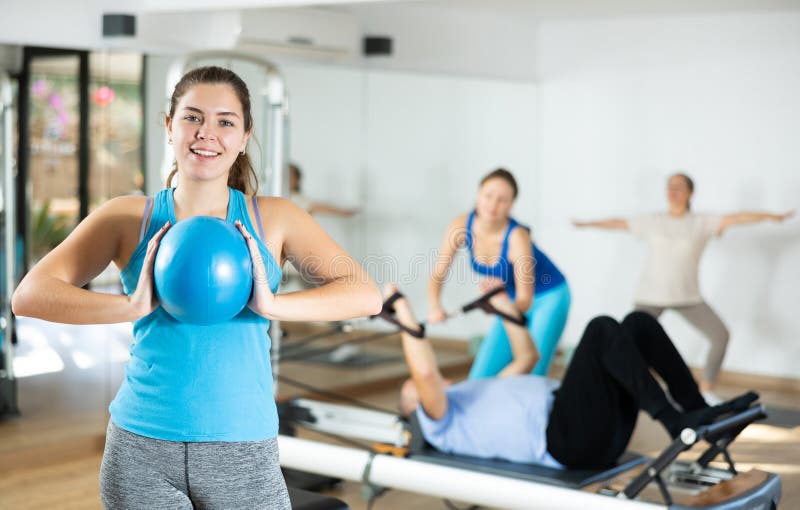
(144, 299)
(436, 314)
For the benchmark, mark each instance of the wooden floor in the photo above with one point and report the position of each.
(50, 454)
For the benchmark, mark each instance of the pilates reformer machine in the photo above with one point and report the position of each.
(399, 458)
(385, 451)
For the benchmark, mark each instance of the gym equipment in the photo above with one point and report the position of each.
(203, 271)
(299, 350)
(401, 459)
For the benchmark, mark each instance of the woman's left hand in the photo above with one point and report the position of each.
(262, 300)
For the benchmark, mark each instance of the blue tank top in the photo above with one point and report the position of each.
(546, 274)
(187, 382)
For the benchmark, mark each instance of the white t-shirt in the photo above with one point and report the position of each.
(675, 245)
(497, 417)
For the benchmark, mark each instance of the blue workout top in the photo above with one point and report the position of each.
(546, 274)
(187, 382)
(498, 417)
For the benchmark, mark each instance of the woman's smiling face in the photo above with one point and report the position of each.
(207, 131)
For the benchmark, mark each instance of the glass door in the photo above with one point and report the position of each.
(8, 243)
(54, 160)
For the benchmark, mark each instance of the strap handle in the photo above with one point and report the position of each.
(482, 303)
(387, 313)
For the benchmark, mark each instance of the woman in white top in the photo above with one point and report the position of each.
(676, 240)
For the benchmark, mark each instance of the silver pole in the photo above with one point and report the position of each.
(277, 105)
(9, 205)
(275, 172)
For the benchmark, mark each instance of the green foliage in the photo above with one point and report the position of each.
(47, 230)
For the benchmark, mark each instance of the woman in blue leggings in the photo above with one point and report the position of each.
(501, 249)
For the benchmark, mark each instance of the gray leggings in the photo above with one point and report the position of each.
(143, 473)
(702, 317)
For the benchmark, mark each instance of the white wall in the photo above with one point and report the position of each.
(624, 102)
(450, 39)
(327, 141)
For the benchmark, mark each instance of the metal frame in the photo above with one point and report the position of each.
(23, 124)
(10, 242)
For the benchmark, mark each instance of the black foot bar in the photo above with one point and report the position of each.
(719, 434)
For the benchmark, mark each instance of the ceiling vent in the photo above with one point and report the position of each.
(303, 33)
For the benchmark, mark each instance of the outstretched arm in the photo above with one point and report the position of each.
(421, 362)
(612, 224)
(330, 209)
(520, 254)
(453, 239)
(745, 217)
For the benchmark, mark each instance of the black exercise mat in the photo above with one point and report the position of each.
(571, 478)
(304, 500)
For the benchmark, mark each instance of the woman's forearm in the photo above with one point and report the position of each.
(615, 223)
(754, 217)
(434, 291)
(51, 299)
(436, 281)
(336, 300)
(747, 217)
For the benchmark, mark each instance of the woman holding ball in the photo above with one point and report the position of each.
(194, 423)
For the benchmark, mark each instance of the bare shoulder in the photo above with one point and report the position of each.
(273, 202)
(281, 217)
(520, 235)
(459, 221)
(120, 208)
(520, 244)
(128, 202)
(272, 207)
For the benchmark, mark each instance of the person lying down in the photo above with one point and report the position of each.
(584, 421)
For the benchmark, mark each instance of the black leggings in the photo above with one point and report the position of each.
(606, 384)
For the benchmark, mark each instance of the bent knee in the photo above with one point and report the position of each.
(639, 317)
(602, 323)
(721, 337)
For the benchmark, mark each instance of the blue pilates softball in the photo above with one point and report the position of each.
(203, 272)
